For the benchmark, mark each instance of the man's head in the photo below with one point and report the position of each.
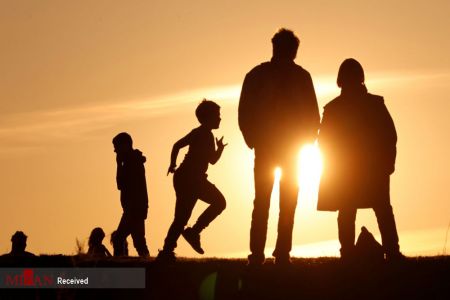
(208, 114)
(351, 74)
(285, 44)
(122, 143)
(19, 241)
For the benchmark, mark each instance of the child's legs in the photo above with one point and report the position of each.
(123, 230)
(138, 235)
(210, 194)
(183, 209)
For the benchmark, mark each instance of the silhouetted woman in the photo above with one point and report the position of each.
(96, 248)
(358, 140)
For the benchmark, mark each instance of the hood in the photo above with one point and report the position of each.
(137, 156)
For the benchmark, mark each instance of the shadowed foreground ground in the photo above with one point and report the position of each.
(321, 278)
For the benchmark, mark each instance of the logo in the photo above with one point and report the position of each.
(55, 278)
(28, 278)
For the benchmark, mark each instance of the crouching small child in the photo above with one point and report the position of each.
(96, 247)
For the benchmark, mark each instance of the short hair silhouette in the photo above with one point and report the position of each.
(205, 110)
(19, 241)
(123, 138)
(285, 44)
(96, 237)
(350, 73)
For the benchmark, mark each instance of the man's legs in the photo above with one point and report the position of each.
(288, 202)
(346, 231)
(264, 177)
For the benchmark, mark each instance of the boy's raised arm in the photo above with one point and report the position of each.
(218, 153)
(183, 142)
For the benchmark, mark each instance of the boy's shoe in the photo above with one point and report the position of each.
(166, 256)
(193, 238)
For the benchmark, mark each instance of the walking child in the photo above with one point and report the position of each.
(133, 195)
(191, 183)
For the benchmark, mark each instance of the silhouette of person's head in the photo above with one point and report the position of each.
(19, 242)
(96, 237)
(351, 74)
(285, 44)
(208, 114)
(122, 143)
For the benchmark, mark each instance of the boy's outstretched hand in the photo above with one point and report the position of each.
(220, 144)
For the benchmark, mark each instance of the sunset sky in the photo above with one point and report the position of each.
(73, 74)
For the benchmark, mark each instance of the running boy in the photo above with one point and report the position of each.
(191, 183)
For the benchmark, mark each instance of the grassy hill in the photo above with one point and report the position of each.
(319, 278)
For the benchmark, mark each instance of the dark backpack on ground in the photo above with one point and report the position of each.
(367, 249)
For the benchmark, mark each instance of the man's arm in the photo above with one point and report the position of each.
(246, 110)
(312, 115)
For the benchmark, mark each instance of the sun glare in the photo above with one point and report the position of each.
(310, 168)
(310, 165)
(277, 174)
(309, 171)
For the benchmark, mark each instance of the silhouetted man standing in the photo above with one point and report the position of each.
(278, 113)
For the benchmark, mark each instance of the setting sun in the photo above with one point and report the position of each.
(309, 165)
(309, 168)
(309, 171)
